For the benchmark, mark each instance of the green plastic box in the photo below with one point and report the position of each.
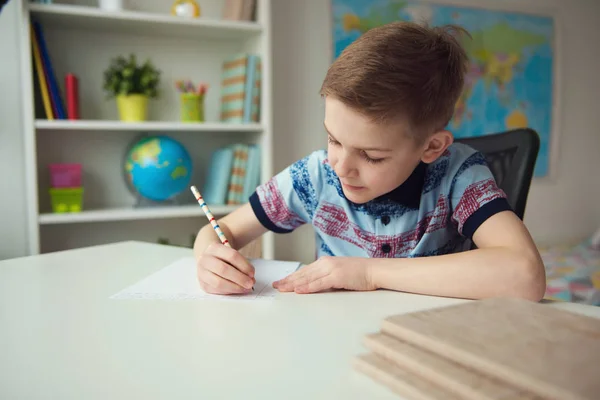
(66, 199)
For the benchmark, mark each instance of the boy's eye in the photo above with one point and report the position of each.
(370, 159)
(364, 155)
(331, 141)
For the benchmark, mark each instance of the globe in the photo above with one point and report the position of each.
(158, 168)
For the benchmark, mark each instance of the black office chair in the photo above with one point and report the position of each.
(511, 157)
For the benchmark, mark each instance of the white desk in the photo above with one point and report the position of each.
(61, 337)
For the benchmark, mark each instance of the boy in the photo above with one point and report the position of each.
(393, 200)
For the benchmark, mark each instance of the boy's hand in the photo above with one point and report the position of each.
(349, 273)
(223, 270)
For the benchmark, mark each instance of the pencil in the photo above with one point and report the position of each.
(210, 217)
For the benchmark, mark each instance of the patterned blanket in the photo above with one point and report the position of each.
(572, 273)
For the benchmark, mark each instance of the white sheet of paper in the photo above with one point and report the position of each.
(177, 281)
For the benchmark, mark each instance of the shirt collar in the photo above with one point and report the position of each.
(409, 192)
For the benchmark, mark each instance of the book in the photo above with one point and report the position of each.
(240, 88)
(238, 172)
(481, 349)
(39, 111)
(232, 10)
(243, 170)
(53, 88)
(249, 87)
(248, 12)
(217, 179)
(41, 76)
(233, 174)
(255, 107)
(233, 87)
(72, 92)
(239, 10)
(252, 177)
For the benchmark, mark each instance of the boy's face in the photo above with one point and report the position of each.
(370, 160)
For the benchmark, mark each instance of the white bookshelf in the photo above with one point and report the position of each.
(130, 214)
(42, 125)
(141, 23)
(81, 39)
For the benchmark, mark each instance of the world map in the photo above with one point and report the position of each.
(509, 82)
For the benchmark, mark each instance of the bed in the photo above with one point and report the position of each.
(573, 272)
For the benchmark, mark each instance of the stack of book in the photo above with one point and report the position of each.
(233, 174)
(49, 101)
(487, 349)
(240, 88)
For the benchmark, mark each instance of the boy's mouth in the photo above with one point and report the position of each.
(352, 187)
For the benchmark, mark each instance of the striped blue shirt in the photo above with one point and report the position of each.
(435, 211)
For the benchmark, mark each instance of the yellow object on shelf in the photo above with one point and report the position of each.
(192, 107)
(185, 8)
(133, 107)
(65, 200)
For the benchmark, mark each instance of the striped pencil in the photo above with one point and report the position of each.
(210, 217)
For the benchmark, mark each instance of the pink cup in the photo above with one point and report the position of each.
(65, 175)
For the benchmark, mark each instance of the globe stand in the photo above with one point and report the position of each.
(142, 202)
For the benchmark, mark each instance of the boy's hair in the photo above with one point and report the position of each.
(401, 70)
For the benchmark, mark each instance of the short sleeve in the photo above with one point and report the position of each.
(290, 198)
(474, 195)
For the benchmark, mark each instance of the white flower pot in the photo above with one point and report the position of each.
(111, 5)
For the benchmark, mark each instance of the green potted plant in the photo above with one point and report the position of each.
(132, 85)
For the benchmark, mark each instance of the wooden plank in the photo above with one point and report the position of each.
(398, 380)
(544, 350)
(461, 381)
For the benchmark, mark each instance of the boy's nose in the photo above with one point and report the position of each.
(344, 167)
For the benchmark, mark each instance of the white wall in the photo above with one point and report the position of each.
(563, 210)
(13, 235)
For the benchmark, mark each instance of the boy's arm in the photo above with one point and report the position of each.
(240, 227)
(506, 263)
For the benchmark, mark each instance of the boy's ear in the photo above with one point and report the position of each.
(435, 145)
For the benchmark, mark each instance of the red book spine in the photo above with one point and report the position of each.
(72, 89)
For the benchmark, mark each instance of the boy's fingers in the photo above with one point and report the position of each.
(299, 274)
(287, 280)
(316, 285)
(314, 275)
(232, 257)
(298, 279)
(219, 285)
(229, 273)
(301, 278)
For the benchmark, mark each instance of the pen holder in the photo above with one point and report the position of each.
(192, 107)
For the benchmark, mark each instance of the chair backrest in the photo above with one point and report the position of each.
(511, 157)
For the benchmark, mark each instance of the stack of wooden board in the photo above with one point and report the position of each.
(488, 349)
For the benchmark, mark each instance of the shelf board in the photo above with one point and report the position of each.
(163, 126)
(130, 213)
(140, 23)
